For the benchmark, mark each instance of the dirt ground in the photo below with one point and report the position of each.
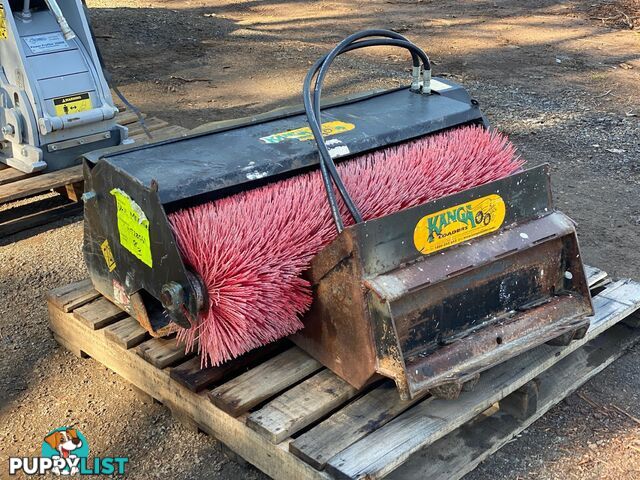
(561, 78)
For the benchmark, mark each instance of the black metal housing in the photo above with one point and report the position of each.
(231, 157)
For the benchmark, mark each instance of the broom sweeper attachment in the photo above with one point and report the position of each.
(407, 241)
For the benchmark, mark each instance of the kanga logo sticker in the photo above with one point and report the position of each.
(458, 224)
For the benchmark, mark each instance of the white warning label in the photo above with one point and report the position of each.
(47, 42)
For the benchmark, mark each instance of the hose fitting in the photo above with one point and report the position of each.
(416, 78)
(57, 13)
(426, 81)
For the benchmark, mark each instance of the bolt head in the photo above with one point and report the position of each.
(172, 295)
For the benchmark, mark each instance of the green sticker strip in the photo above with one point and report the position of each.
(133, 227)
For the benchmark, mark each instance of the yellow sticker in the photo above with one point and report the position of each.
(304, 134)
(72, 104)
(458, 224)
(133, 227)
(108, 255)
(3, 24)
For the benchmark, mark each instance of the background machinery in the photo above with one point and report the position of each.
(55, 100)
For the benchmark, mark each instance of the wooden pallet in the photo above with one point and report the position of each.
(283, 412)
(16, 185)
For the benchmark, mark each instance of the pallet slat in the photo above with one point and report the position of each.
(350, 424)
(302, 405)
(623, 292)
(266, 380)
(168, 132)
(128, 117)
(60, 297)
(40, 183)
(457, 454)
(87, 295)
(9, 175)
(98, 313)
(40, 218)
(388, 447)
(191, 375)
(127, 333)
(162, 352)
(152, 124)
(596, 276)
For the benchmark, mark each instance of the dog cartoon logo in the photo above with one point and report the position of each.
(65, 451)
(68, 444)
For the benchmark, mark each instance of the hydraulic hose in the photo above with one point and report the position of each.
(327, 165)
(421, 70)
